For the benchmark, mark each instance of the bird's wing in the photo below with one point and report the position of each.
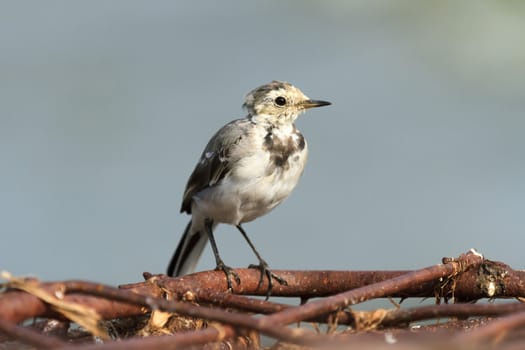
(216, 161)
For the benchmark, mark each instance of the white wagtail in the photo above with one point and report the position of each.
(248, 167)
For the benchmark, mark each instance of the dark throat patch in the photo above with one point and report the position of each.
(281, 148)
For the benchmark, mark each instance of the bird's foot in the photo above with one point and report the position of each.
(266, 272)
(229, 272)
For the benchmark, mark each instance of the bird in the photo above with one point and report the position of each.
(248, 167)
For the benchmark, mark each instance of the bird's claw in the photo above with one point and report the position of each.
(266, 272)
(229, 272)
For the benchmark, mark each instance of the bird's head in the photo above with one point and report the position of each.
(278, 102)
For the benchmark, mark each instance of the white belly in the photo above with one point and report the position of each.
(252, 189)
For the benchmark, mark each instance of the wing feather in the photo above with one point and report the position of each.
(216, 160)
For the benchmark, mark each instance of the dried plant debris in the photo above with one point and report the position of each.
(78, 313)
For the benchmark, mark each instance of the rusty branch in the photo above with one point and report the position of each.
(177, 341)
(403, 316)
(495, 330)
(464, 279)
(29, 336)
(490, 280)
(183, 308)
(377, 290)
(18, 306)
(242, 303)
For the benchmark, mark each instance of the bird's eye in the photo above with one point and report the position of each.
(280, 101)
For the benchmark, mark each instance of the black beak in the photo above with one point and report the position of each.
(315, 103)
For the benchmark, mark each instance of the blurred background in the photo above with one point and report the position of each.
(106, 106)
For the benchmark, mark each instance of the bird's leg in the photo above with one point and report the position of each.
(263, 266)
(208, 224)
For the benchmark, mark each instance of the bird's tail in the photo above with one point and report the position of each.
(188, 252)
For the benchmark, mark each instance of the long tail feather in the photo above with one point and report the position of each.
(188, 252)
